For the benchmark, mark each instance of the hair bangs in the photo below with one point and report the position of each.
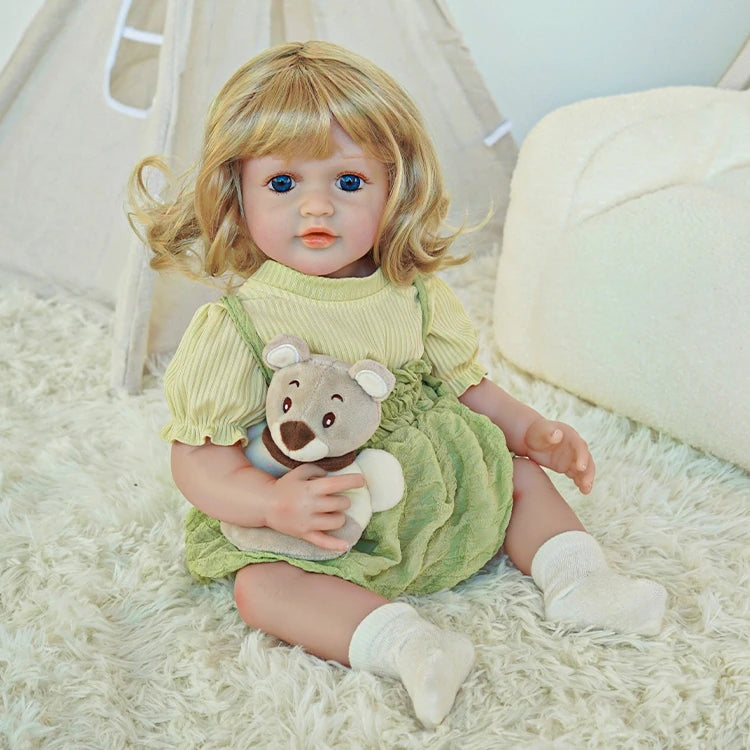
(290, 115)
(288, 118)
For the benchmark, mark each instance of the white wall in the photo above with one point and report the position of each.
(536, 55)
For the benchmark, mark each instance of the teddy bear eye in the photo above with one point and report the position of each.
(286, 404)
(329, 419)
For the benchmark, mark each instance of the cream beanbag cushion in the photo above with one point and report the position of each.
(625, 270)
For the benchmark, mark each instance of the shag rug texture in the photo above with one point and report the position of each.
(106, 641)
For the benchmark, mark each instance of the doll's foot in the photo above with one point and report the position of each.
(432, 663)
(580, 588)
(612, 601)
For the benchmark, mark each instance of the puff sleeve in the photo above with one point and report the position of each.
(213, 386)
(451, 343)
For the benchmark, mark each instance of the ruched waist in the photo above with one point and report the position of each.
(410, 396)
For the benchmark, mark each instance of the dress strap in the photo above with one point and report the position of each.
(422, 299)
(244, 325)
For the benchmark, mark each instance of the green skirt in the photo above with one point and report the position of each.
(451, 521)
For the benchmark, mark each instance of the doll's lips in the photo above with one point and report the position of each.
(318, 237)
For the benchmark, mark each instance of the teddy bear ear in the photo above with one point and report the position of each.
(375, 380)
(285, 350)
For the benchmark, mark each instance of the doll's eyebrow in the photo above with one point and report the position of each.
(336, 395)
(294, 382)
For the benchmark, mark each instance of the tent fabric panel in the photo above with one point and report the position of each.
(68, 150)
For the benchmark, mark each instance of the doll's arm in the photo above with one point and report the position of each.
(555, 445)
(221, 482)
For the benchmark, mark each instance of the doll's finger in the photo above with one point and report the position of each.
(583, 484)
(334, 485)
(589, 474)
(329, 521)
(584, 478)
(587, 486)
(326, 541)
(332, 504)
(545, 439)
(584, 461)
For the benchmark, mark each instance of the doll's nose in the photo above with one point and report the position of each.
(316, 203)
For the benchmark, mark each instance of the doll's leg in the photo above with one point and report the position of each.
(318, 612)
(336, 619)
(539, 513)
(546, 539)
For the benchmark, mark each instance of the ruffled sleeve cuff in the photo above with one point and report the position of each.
(191, 434)
(466, 377)
(213, 386)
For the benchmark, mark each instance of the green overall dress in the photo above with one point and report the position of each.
(452, 519)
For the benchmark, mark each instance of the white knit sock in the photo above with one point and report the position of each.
(394, 641)
(579, 587)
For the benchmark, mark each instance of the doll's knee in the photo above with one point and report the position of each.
(243, 592)
(255, 586)
(527, 475)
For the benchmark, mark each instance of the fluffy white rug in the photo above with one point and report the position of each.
(106, 642)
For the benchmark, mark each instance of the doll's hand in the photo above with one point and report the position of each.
(559, 447)
(305, 503)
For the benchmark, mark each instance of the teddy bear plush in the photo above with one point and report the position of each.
(321, 410)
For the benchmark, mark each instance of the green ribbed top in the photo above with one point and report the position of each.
(215, 389)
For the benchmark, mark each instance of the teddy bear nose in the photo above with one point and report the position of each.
(296, 435)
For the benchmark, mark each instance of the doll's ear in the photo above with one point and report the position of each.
(375, 380)
(285, 350)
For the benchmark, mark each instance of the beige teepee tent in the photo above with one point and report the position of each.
(96, 84)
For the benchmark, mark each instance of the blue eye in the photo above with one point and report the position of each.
(282, 183)
(349, 182)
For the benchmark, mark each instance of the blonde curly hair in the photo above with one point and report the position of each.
(282, 103)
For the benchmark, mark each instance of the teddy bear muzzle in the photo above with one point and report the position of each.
(295, 435)
(297, 440)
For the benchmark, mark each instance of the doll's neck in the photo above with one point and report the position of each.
(359, 269)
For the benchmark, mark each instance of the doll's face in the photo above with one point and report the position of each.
(317, 216)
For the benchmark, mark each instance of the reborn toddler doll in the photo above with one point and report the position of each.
(319, 188)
